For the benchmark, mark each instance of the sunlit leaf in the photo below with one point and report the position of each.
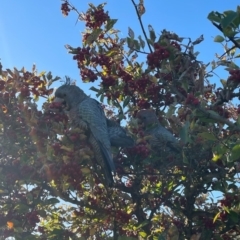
(216, 217)
(10, 225)
(219, 39)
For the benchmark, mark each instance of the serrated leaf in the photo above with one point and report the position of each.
(110, 24)
(219, 39)
(228, 19)
(130, 33)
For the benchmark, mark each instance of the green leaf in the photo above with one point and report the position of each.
(207, 136)
(235, 153)
(21, 208)
(144, 223)
(110, 24)
(185, 160)
(51, 201)
(228, 31)
(136, 44)
(126, 101)
(94, 89)
(228, 19)
(130, 42)
(224, 82)
(152, 33)
(184, 132)
(214, 16)
(101, 98)
(93, 36)
(234, 216)
(219, 39)
(142, 43)
(130, 33)
(162, 237)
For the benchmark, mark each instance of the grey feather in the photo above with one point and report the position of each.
(157, 135)
(88, 114)
(118, 135)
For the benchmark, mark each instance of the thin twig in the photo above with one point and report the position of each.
(142, 27)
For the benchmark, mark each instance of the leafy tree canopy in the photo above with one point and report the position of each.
(48, 187)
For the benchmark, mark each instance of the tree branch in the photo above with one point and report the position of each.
(142, 27)
(230, 38)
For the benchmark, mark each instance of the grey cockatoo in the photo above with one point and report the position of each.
(118, 135)
(159, 138)
(87, 114)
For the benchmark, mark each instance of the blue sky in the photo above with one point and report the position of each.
(36, 32)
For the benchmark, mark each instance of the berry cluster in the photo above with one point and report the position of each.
(32, 218)
(229, 200)
(88, 75)
(142, 83)
(141, 150)
(65, 9)
(234, 75)
(176, 45)
(143, 104)
(223, 112)
(95, 18)
(191, 99)
(102, 60)
(81, 55)
(154, 59)
(108, 81)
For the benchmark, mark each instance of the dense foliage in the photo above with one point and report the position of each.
(48, 187)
